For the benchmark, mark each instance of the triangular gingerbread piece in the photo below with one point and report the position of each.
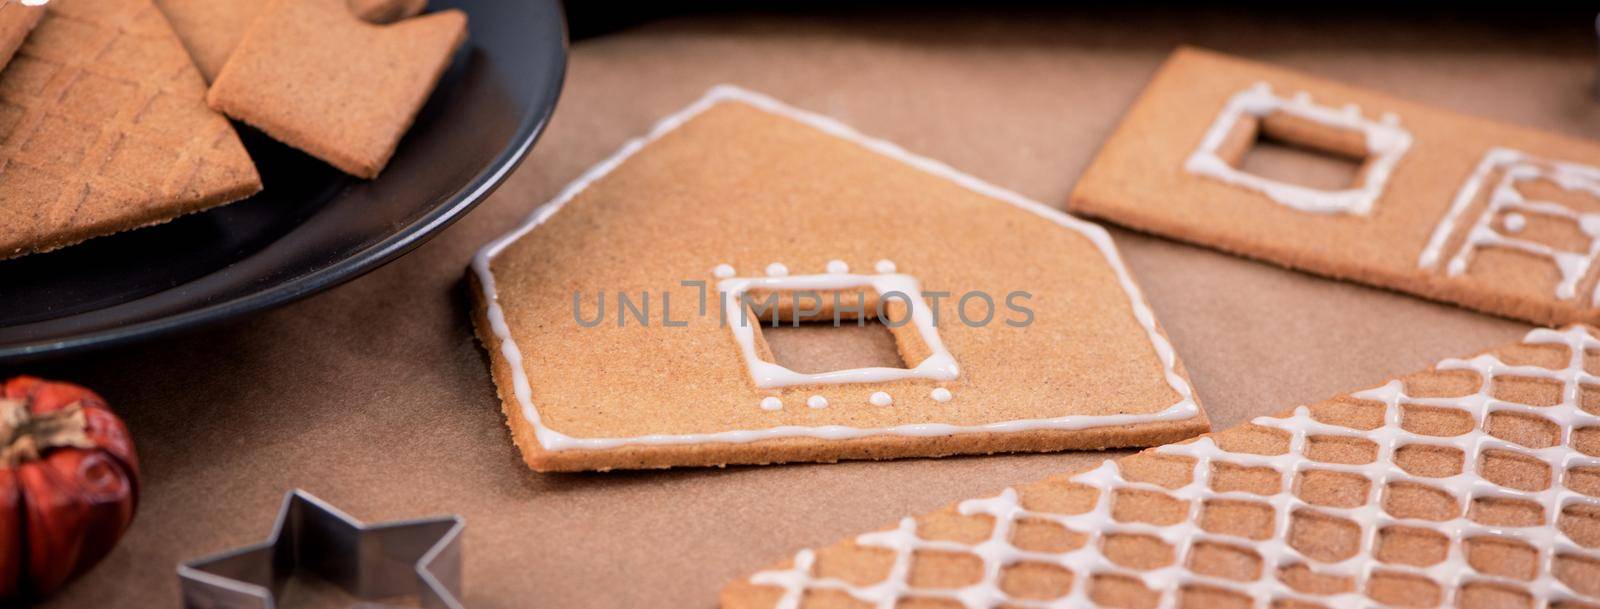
(1475, 484)
(316, 76)
(210, 29)
(104, 128)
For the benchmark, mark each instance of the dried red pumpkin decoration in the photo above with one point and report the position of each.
(69, 482)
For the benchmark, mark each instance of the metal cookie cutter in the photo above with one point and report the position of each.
(419, 558)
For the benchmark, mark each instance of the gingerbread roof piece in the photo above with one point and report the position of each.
(1475, 484)
(104, 127)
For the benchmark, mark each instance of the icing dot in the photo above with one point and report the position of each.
(771, 404)
(1515, 222)
(1590, 223)
(777, 269)
(941, 395)
(838, 266)
(884, 266)
(881, 399)
(722, 271)
(817, 401)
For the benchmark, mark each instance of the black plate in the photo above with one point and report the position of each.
(312, 227)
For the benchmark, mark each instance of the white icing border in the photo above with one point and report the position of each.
(997, 552)
(1185, 408)
(938, 366)
(1518, 166)
(1386, 142)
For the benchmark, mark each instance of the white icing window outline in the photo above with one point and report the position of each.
(1386, 142)
(940, 365)
(1516, 166)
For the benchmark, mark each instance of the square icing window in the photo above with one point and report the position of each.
(846, 301)
(1347, 156)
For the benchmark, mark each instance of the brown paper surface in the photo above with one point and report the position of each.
(376, 397)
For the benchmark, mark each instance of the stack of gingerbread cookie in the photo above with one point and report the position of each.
(107, 122)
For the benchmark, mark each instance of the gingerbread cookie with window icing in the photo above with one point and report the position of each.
(1493, 217)
(1475, 484)
(634, 321)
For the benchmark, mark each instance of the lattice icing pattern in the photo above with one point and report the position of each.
(1476, 485)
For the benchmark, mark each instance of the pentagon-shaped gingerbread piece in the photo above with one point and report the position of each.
(1006, 325)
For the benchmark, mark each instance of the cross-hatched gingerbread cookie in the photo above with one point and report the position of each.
(104, 127)
(313, 75)
(1475, 484)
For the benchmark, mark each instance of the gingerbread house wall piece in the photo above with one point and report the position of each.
(1491, 216)
(741, 192)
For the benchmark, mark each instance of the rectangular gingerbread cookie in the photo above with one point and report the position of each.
(1475, 484)
(1490, 216)
(739, 202)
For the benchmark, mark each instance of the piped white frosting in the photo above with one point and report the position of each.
(1386, 143)
(1183, 408)
(1514, 222)
(997, 552)
(940, 365)
(1504, 198)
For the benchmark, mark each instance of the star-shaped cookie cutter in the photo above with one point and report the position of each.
(418, 558)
